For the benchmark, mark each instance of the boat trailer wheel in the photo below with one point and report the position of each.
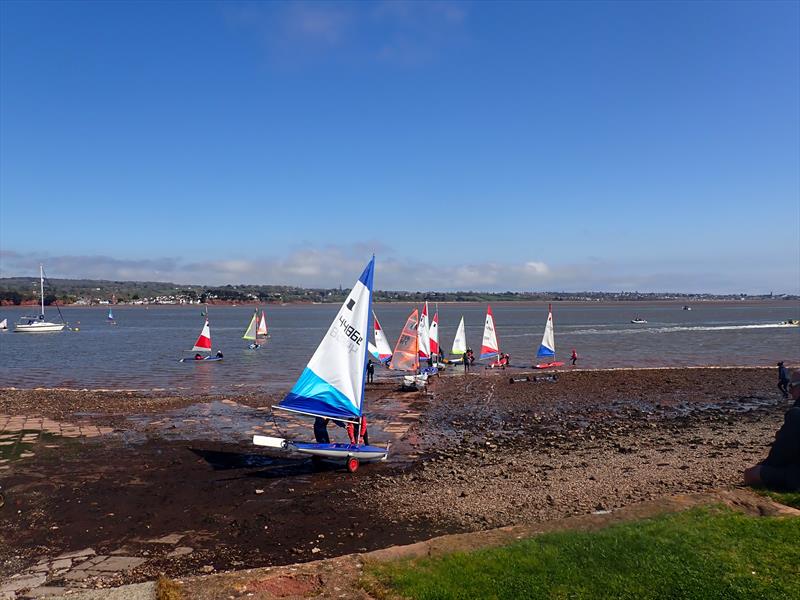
(352, 464)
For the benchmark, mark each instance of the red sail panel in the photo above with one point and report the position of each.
(405, 356)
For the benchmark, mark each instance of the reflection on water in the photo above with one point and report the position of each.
(142, 351)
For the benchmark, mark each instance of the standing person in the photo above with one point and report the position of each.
(574, 357)
(783, 380)
(370, 371)
(321, 431)
(465, 358)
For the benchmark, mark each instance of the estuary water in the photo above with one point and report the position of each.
(142, 351)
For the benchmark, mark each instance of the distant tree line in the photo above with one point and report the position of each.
(17, 290)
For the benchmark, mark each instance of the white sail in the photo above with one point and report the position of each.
(381, 343)
(434, 334)
(460, 341)
(203, 343)
(423, 334)
(4, 324)
(332, 385)
(489, 346)
(262, 325)
(548, 345)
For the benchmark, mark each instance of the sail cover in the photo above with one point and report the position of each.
(250, 334)
(381, 344)
(434, 334)
(405, 357)
(424, 334)
(203, 343)
(548, 347)
(332, 385)
(262, 325)
(460, 341)
(489, 346)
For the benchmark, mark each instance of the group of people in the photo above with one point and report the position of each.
(468, 358)
(781, 469)
(199, 356)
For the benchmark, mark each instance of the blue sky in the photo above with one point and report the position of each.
(543, 146)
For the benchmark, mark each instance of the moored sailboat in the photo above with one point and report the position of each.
(38, 324)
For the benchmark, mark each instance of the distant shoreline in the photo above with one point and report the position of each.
(760, 301)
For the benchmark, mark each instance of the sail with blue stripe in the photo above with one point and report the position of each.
(547, 348)
(332, 384)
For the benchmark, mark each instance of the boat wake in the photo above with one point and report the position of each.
(677, 328)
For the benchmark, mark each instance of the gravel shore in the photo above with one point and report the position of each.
(122, 469)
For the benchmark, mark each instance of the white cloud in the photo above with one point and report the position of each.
(331, 266)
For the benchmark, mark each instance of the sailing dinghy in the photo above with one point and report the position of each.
(110, 318)
(459, 350)
(382, 350)
(423, 333)
(547, 349)
(433, 335)
(3, 324)
(489, 346)
(257, 328)
(406, 354)
(203, 344)
(332, 385)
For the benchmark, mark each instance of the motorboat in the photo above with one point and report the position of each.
(638, 320)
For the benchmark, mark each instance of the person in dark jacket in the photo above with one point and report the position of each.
(370, 371)
(781, 469)
(574, 357)
(783, 380)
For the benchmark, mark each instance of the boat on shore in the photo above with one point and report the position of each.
(547, 349)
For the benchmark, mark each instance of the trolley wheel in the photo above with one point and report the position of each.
(352, 464)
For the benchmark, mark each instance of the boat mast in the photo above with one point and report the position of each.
(41, 285)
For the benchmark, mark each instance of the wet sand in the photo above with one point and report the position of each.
(176, 482)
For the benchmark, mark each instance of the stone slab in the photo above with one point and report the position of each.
(119, 563)
(22, 583)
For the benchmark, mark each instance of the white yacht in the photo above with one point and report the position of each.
(38, 324)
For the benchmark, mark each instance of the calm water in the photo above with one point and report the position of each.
(142, 350)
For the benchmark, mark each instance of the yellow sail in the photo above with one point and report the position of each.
(250, 334)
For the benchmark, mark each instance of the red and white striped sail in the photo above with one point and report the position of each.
(423, 332)
(381, 344)
(489, 346)
(434, 334)
(203, 343)
(262, 325)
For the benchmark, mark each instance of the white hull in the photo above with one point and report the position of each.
(38, 327)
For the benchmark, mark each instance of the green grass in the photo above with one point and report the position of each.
(787, 498)
(701, 553)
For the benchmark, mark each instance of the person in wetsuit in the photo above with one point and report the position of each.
(783, 380)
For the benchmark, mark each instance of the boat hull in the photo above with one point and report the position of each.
(550, 365)
(330, 451)
(38, 327)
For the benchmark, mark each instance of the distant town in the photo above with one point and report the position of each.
(82, 292)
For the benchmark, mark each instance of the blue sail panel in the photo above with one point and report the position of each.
(544, 351)
(314, 396)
